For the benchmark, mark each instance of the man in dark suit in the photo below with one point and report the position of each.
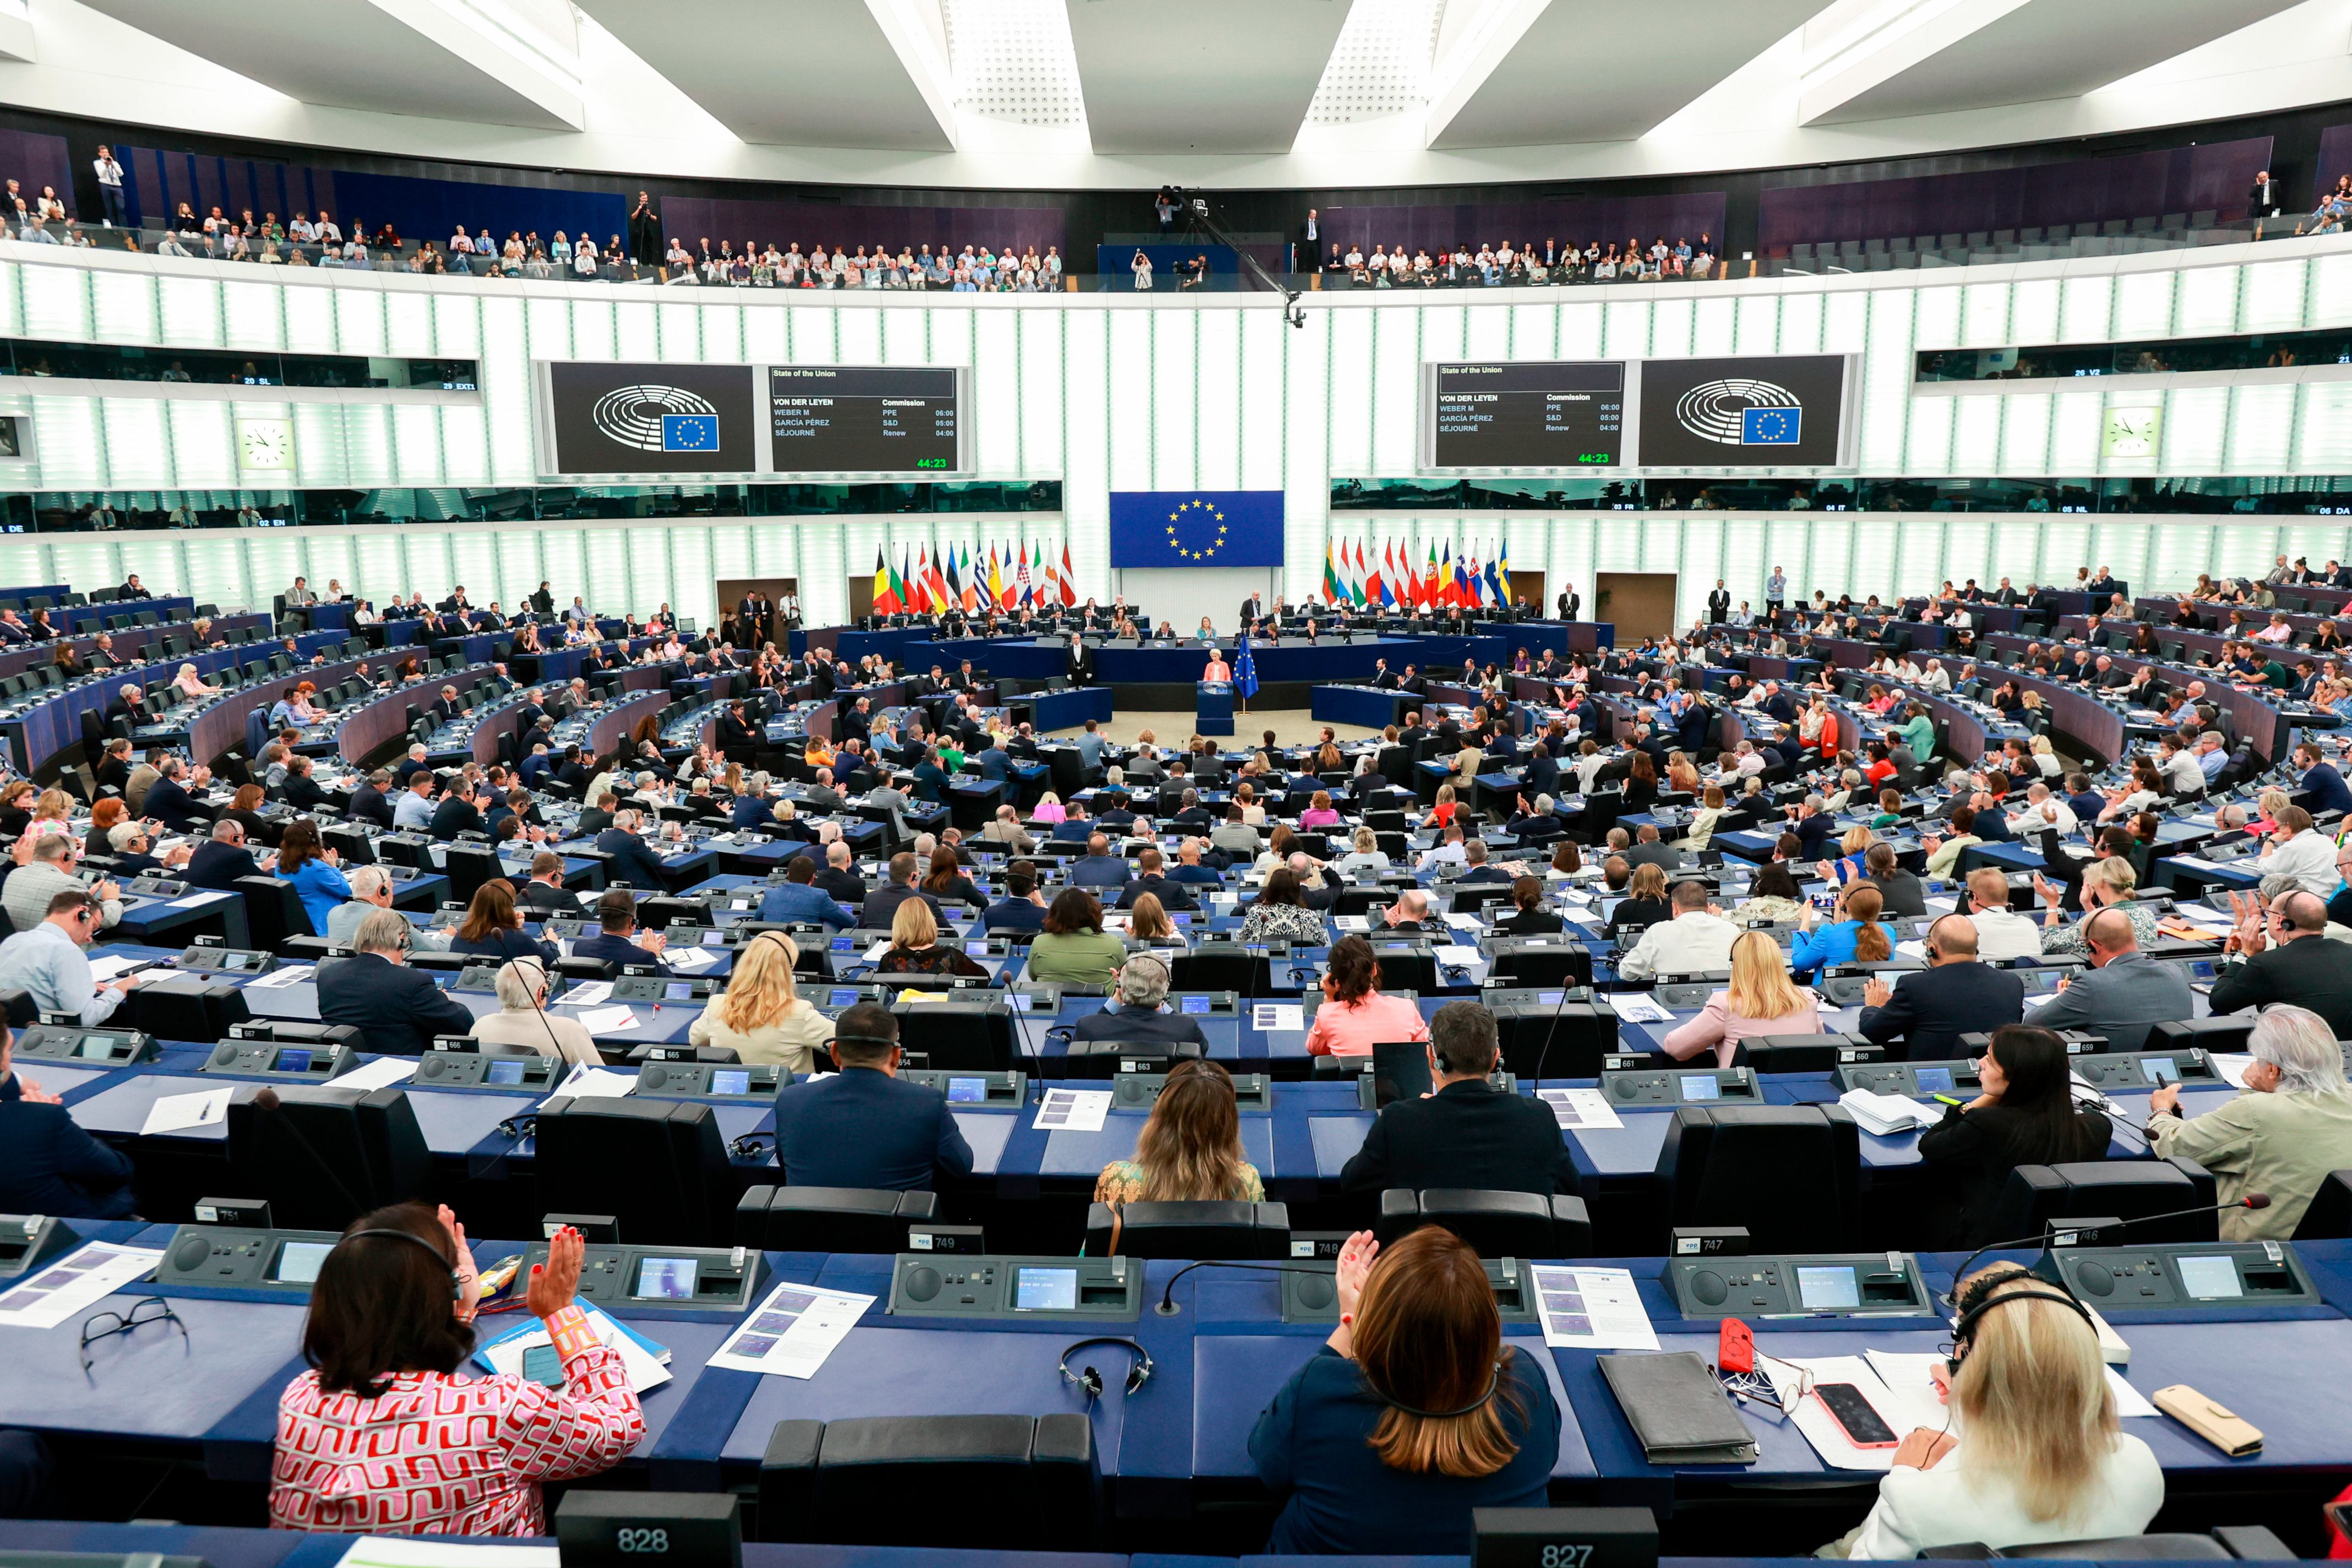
(1568, 603)
(220, 861)
(1139, 1014)
(545, 893)
(2124, 993)
(1414, 682)
(854, 723)
(1021, 908)
(616, 941)
(1098, 867)
(1465, 1134)
(1474, 851)
(47, 1163)
(880, 907)
(1172, 895)
(1383, 677)
(1930, 1009)
(398, 1009)
(460, 810)
(865, 1126)
(1718, 604)
(1253, 608)
(628, 859)
(2326, 785)
(2285, 956)
(839, 881)
(1078, 662)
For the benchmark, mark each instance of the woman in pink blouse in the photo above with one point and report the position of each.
(384, 1434)
(1355, 1016)
(1762, 1000)
(1319, 812)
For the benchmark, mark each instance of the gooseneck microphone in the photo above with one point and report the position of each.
(2249, 1201)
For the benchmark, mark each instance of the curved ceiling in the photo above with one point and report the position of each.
(1076, 94)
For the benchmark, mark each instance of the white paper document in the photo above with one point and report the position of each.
(689, 958)
(78, 1280)
(293, 974)
(597, 1083)
(441, 1552)
(1888, 1115)
(1353, 922)
(1902, 1404)
(178, 1113)
(1579, 1107)
(1592, 1308)
(1073, 1110)
(380, 1073)
(105, 969)
(1639, 1008)
(793, 1330)
(2231, 1066)
(1278, 1015)
(599, 1020)
(197, 900)
(592, 994)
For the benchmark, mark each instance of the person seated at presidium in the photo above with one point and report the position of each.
(375, 1435)
(1189, 1150)
(1412, 1415)
(2045, 1458)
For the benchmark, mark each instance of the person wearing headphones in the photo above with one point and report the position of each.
(382, 1434)
(1467, 1133)
(398, 1009)
(523, 1026)
(760, 1017)
(2045, 1458)
(1413, 1412)
(1141, 1012)
(865, 1126)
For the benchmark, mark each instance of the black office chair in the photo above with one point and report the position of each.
(1539, 961)
(1499, 1225)
(1188, 1230)
(468, 866)
(323, 1156)
(1789, 1173)
(2120, 1189)
(2329, 1218)
(2223, 1032)
(972, 1030)
(659, 1167)
(2227, 1543)
(273, 911)
(989, 1482)
(1548, 1042)
(1104, 1059)
(1222, 968)
(829, 1219)
(180, 1008)
(1804, 1053)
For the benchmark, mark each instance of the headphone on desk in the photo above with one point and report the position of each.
(1139, 1372)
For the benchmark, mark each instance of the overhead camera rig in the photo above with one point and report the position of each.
(1198, 220)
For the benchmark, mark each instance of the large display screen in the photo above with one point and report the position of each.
(1559, 415)
(835, 419)
(650, 418)
(1783, 412)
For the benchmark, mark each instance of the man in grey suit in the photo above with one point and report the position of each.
(1648, 851)
(2123, 994)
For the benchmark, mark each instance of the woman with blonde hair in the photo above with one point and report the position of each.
(914, 946)
(52, 813)
(1761, 1000)
(1680, 776)
(1442, 814)
(1414, 1413)
(188, 683)
(1645, 903)
(2045, 1458)
(1147, 922)
(1189, 1150)
(1364, 854)
(2110, 883)
(761, 1016)
(1049, 809)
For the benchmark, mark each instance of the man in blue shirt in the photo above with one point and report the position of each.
(2326, 785)
(1090, 750)
(1100, 868)
(2212, 757)
(415, 810)
(799, 899)
(865, 1126)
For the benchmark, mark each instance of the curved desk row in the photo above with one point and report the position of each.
(2250, 715)
(176, 616)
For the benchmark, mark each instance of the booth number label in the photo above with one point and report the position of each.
(658, 1540)
(1553, 1556)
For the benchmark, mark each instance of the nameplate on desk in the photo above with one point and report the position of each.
(197, 900)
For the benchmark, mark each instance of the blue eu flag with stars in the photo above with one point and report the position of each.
(690, 432)
(1771, 427)
(1244, 670)
(1188, 530)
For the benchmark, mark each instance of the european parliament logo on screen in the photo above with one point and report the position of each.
(1755, 413)
(1185, 529)
(650, 418)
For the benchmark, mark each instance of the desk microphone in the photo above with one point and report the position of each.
(2046, 1265)
(1168, 1307)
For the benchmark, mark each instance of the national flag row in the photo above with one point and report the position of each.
(1352, 576)
(1012, 578)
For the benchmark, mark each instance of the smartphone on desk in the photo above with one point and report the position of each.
(1855, 1416)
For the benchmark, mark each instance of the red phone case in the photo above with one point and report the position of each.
(1888, 1443)
(1736, 1349)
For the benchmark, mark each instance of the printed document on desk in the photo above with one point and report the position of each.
(441, 1552)
(178, 1113)
(78, 1280)
(1580, 1107)
(1592, 1308)
(793, 1332)
(1073, 1110)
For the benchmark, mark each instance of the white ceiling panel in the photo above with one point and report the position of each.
(807, 74)
(440, 59)
(1601, 70)
(1201, 76)
(1983, 54)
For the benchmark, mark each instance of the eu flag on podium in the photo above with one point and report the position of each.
(1244, 670)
